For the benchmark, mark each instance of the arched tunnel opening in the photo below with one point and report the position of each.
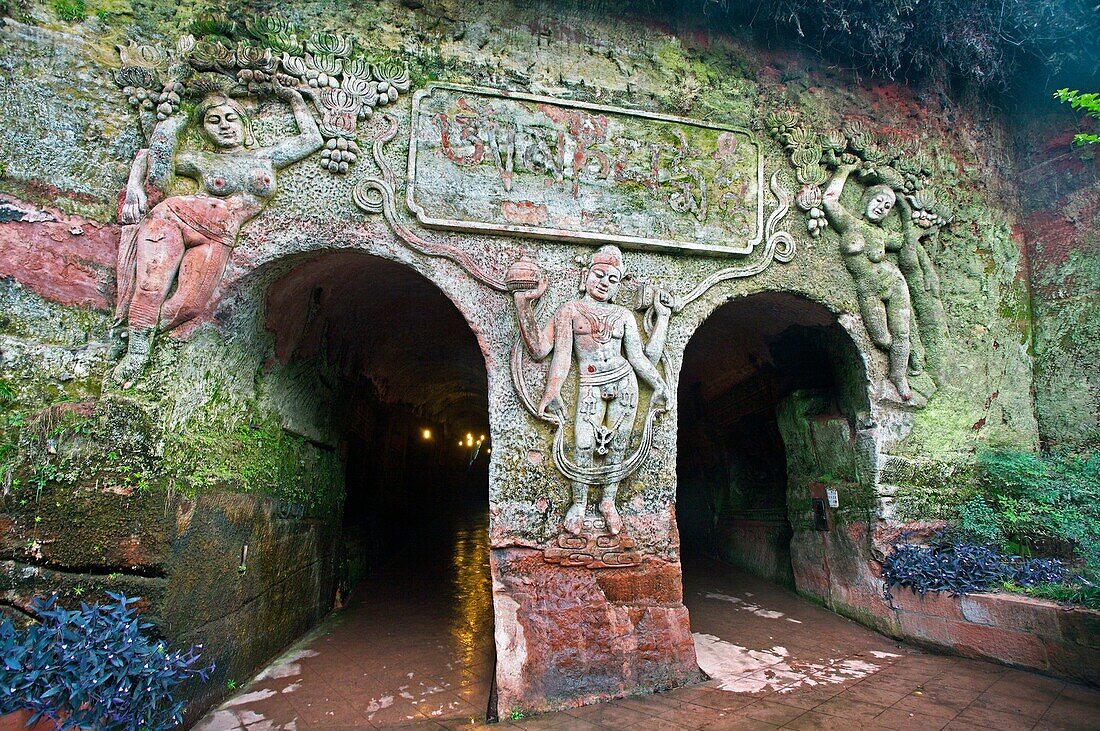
(756, 376)
(409, 403)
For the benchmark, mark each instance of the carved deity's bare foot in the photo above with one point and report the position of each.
(129, 368)
(611, 515)
(138, 346)
(902, 384)
(574, 519)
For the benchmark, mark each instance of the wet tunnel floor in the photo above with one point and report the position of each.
(414, 649)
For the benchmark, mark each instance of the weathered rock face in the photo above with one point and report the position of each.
(1062, 231)
(260, 202)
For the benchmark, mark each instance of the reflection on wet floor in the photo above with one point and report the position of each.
(414, 650)
(414, 643)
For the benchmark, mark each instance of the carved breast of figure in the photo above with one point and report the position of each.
(245, 174)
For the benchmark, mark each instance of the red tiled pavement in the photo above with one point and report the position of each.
(414, 650)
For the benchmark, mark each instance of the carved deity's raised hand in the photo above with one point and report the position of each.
(660, 399)
(286, 88)
(662, 308)
(553, 406)
(526, 296)
(134, 206)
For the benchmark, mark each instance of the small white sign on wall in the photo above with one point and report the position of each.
(834, 499)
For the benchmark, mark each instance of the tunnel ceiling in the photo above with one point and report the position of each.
(380, 322)
(733, 344)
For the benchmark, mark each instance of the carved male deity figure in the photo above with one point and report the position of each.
(882, 291)
(186, 240)
(606, 341)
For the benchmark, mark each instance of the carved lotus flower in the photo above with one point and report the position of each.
(338, 124)
(329, 44)
(927, 211)
(365, 91)
(185, 44)
(834, 141)
(358, 66)
(858, 139)
(782, 121)
(922, 201)
(922, 163)
(392, 74)
(207, 55)
(873, 154)
(276, 34)
(254, 57)
(267, 25)
(137, 76)
(329, 65)
(809, 197)
(805, 157)
(889, 176)
(799, 137)
(338, 100)
(811, 175)
(294, 65)
(145, 56)
(210, 83)
(908, 164)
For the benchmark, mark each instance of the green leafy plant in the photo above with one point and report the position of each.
(1086, 595)
(71, 10)
(1029, 505)
(1089, 104)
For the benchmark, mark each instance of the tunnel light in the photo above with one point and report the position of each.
(469, 439)
(481, 439)
(426, 434)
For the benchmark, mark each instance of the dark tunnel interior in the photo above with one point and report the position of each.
(740, 364)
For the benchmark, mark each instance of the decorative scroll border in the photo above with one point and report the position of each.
(630, 242)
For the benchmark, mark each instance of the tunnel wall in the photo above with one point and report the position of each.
(230, 427)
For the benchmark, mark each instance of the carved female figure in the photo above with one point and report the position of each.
(186, 240)
(608, 346)
(880, 287)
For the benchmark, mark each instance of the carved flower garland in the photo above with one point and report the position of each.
(815, 154)
(344, 87)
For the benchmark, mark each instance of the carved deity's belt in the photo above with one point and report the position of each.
(599, 378)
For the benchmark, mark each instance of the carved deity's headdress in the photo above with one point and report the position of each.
(610, 255)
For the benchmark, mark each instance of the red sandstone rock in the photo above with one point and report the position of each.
(66, 259)
(567, 636)
(1000, 643)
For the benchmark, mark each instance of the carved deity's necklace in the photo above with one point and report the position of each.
(602, 325)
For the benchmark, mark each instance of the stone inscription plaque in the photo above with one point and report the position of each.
(495, 162)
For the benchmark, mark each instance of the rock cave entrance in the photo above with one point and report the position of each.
(748, 373)
(409, 402)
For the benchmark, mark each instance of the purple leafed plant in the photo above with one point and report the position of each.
(93, 668)
(962, 568)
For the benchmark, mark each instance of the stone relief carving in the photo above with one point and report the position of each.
(606, 341)
(611, 357)
(174, 248)
(896, 283)
(376, 195)
(598, 332)
(487, 161)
